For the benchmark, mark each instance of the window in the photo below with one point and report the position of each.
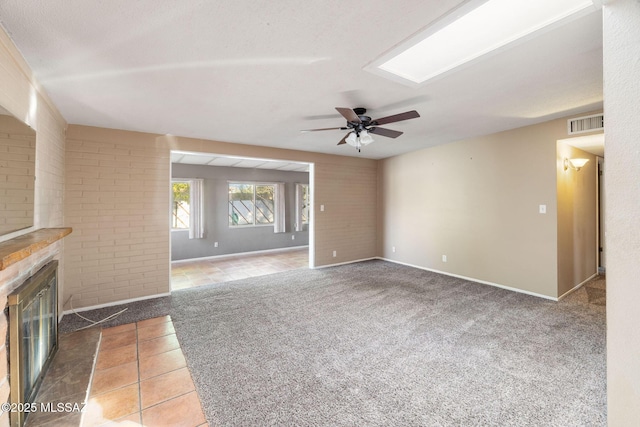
(251, 204)
(302, 206)
(186, 206)
(181, 205)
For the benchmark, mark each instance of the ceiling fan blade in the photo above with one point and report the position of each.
(315, 130)
(386, 132)
(344, 140)
(349, 114)
(396, 118)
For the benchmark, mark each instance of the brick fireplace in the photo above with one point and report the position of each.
(21, 258)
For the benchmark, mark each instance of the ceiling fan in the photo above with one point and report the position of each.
(361, 126)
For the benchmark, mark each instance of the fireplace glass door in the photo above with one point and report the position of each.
(33, 334)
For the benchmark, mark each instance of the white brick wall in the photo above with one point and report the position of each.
(21, 96)
(117, 203)
(17, 171)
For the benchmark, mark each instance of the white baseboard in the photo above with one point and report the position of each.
(471, 279)
(263, 252)
(111, 304)
(343, 263)
(578, 286)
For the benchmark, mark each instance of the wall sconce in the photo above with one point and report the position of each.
(575, 164)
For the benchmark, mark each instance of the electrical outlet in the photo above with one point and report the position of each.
(215, 244)
(444, 258)
(321, 208)
(293, 237)
(393, 249)
(543, 209)
(335, 254)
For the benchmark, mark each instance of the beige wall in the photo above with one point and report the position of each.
(117, 201)
(621, 95)
(477, 202)
(20, 95)
(577, 219)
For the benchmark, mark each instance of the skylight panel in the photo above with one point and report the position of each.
(473, 30)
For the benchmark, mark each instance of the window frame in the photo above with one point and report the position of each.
(300, 223)
(255, 184)
(190, 183)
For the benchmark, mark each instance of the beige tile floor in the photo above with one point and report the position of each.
(141, 378)
(188, 274)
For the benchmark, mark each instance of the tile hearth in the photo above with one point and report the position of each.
(139, 378)
(68, 378)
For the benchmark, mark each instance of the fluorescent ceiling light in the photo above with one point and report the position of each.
(475, 29)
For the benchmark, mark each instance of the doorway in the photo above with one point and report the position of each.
(581, 207)
(253, 216)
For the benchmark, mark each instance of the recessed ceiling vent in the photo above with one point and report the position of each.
(586, 124)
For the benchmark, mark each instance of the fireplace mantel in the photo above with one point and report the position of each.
(19, 248)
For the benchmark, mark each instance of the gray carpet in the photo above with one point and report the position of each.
(378, 344)
(135, 311)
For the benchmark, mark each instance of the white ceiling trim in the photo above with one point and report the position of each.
(205, 159)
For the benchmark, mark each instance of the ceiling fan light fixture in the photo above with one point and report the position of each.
(361, 127)
(351, 139)
(359, 140)
(365, 138)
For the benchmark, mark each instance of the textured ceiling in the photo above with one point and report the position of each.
(258, 72)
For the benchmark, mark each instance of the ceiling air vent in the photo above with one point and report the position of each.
(586, 124)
